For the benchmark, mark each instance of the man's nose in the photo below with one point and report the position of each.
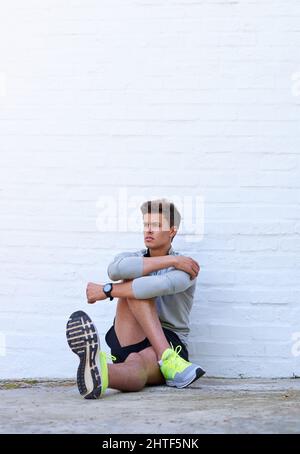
(149, 229)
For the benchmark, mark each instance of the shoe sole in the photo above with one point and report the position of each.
(199, 373)
(83, 340)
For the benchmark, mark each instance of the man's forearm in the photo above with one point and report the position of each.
(144, 287)
(94, 292)
(151, 284)
(147, 287)
(133, 267)
(151, 264)
(123, 290)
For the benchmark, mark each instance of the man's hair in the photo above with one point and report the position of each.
(164, 206)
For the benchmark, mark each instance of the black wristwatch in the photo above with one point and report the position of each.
(107, 289)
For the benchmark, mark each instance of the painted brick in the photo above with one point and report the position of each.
(96, 97)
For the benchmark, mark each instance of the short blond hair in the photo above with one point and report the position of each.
(164, 206)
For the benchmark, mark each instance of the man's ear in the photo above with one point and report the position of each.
(174, 229)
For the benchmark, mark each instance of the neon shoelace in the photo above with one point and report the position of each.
(176, 361)
(108, 356)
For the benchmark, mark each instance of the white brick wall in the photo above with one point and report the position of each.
(164, 98)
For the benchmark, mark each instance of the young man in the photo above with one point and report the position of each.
(148, 339)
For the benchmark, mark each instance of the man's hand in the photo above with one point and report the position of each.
(94, 292)
(187, 264)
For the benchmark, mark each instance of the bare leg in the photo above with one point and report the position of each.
(140, 368)
(128, 376)
(127, 328)
(137, 319)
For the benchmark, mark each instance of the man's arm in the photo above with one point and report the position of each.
(131, 267)
(127, 266)
(145, 287)
(175, 281)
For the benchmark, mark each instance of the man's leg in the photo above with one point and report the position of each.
(137, 319)
(140, 368)
(128, 376)
(127, 328)
(94, 374)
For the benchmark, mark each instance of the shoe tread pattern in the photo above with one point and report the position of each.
(83, 340)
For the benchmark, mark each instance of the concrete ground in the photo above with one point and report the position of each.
(208, 406)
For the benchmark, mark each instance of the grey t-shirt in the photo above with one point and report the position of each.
(172, 289)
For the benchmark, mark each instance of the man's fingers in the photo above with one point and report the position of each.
(192, 274)
(195, 268)
(193, 262)
(195, 272)
(196, 264)
(91, 300)
(189, 265)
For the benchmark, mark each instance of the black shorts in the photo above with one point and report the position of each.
(121, 353)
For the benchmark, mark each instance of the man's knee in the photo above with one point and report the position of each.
(138, 361)
(153, 371)
(140, 369)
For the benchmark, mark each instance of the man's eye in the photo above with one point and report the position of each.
(152, 225)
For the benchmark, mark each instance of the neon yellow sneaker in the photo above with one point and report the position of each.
(83, 339)
(177, 371)
(104, 370)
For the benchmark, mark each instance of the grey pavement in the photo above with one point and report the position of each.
(208, 406)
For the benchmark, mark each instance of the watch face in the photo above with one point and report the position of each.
(107, 287)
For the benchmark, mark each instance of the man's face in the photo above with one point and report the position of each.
(156, 230)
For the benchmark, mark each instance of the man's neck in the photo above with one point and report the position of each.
(159, 252)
